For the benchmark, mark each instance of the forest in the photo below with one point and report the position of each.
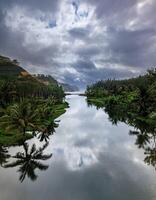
(28, 105)
(136, 94)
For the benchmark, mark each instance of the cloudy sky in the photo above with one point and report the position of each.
(80, 41)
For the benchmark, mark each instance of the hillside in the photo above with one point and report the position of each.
(10, 67)
(21, 84)
(49, 80)
(46, 79)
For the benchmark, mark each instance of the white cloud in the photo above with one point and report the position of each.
(108, 36)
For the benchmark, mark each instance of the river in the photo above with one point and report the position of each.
(91, 160)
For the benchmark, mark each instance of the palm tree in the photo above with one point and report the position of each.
(47, 120)
(47, 130)
(29, 161)
(20, 117)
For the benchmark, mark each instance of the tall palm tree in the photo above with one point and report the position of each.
(29, 160)
(20, 117)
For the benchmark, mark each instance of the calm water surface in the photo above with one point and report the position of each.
(92, 160)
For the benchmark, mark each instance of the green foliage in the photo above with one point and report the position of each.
(17, 88)
(13, 137)
(131, 94)
(20, 117)
(16, 83)
(29, 116)
(133, 102)
(27, 103)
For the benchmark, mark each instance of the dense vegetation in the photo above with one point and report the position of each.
(133, 102)
(136, 94)
(27, 103)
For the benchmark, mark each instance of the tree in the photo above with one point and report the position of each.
(7, 92)
(20, 117)
(29, 161)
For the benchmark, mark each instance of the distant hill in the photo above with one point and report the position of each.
(11, 68)
(69, 88)
(49, 80)
(26, 85)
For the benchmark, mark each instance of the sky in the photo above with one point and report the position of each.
(80, 41)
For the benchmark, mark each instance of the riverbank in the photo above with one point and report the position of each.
(9, 138)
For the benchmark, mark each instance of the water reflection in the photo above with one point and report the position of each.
(145, 128)
(29, 160)
(4, 155)
(92, 159)
(147, 141)
(47, 131)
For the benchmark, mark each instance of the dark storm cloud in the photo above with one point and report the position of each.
(84, 66)
(133, 48)
(8, 39)
(89, 73)
(12, 44)
(118, 40)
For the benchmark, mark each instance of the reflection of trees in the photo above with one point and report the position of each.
(3, 155)
(48, 130)
(150, 158)
(147, 141)
(145, 133)
(30, 160)
(145, 129)
(142, 138)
